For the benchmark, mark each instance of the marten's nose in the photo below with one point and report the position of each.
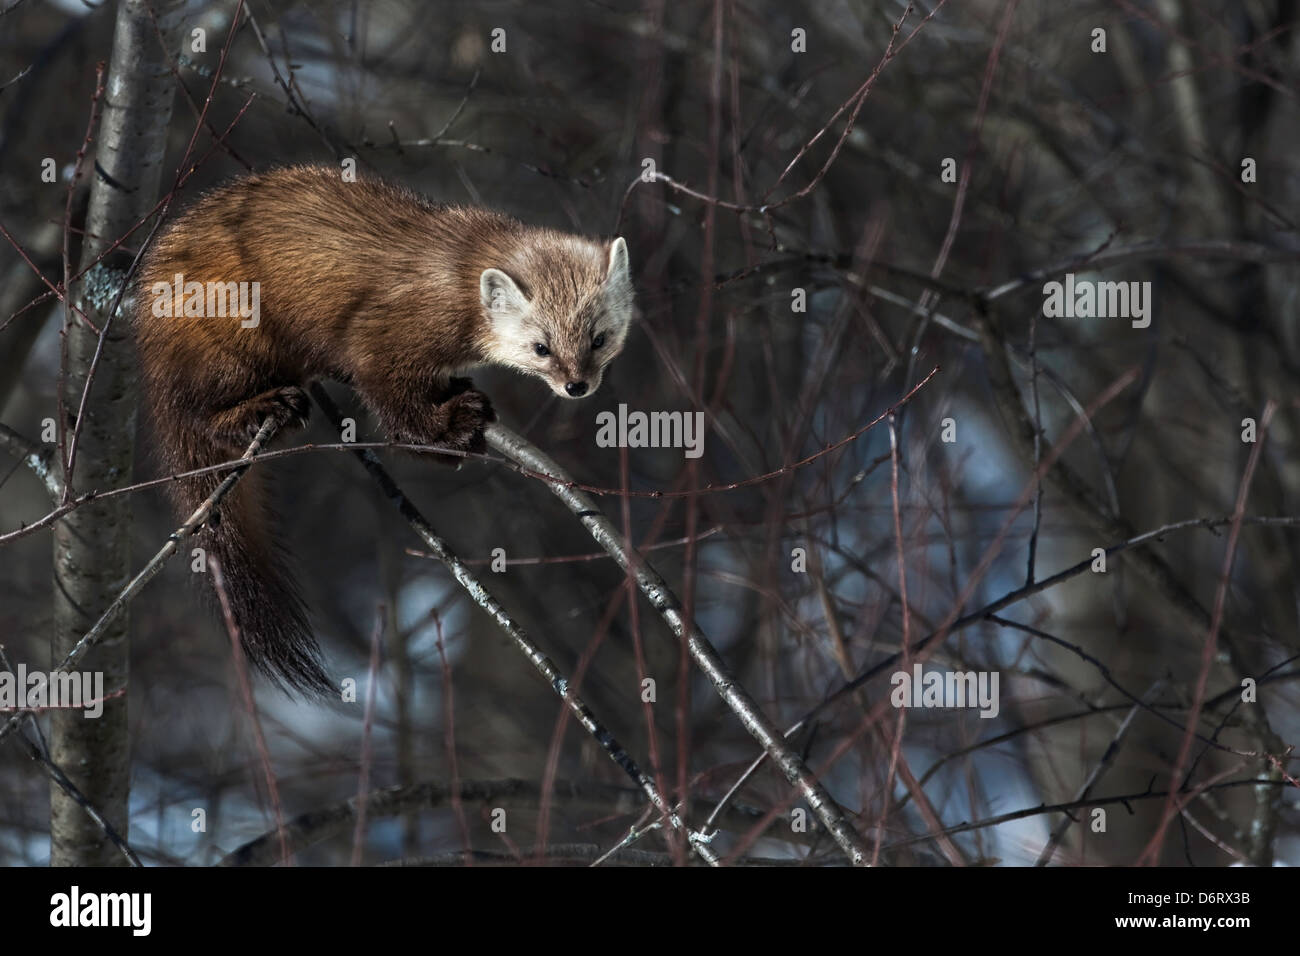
(576, 389)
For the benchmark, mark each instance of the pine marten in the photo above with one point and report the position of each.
(283, 277)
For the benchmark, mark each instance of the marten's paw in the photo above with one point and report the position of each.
(237, 426)
(468, 413)
(290, 406)
(456, 422)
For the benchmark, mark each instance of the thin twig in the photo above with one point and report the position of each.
(449, 736)
(1152, 851)
(1107, 758)
(1123, 800)
(36, 458)
(60, 411)
(354, 447)
(323, 822)
(250, 705)
(367, 741)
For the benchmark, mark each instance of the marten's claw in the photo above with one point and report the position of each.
(291, 406)
(287, 406)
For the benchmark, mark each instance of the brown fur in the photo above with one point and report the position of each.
(369, 284)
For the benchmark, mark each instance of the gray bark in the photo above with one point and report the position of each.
(91, 545)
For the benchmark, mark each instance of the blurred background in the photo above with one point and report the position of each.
(912, 184)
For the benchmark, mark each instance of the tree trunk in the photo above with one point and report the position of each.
(91, 545)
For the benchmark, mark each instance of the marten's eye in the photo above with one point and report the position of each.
(541, 350)
(598, 341)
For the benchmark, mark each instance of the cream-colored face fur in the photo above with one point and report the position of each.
(569, 324)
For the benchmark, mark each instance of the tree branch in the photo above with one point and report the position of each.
(663, 600)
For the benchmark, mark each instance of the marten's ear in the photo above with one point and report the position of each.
(617, 273)
(618, 285)
(503, 301)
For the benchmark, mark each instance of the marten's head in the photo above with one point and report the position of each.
(559, 310)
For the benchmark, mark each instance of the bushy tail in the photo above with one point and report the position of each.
(267, 608)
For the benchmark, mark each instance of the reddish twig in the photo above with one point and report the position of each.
(250, 706)
(449, 740)
(61, 423)
(367, 739)
(1151, 853)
